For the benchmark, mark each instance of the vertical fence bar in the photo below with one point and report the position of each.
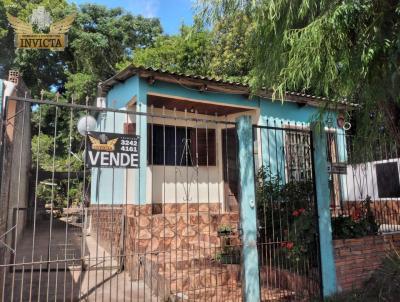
(250, 272)
(328, 270)
(141, 130)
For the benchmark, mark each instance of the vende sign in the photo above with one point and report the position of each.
(112, 150)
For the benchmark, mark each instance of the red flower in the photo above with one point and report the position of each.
(296, 213)
(356, 215)
(289, 245)
(301, 210)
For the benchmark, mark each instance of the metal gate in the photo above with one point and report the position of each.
(78, 233)
(288, 244)
(165, 230)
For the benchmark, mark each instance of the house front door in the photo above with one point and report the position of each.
(230, 169)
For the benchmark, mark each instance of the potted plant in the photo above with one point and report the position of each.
(224, 230)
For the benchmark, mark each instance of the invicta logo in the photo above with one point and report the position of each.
(55, 39)
(108, 146)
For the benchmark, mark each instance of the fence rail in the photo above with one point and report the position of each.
(365, 196)
(169, 227)
(288, 242)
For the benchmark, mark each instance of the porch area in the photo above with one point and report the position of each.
(182, 235)
(190, 253)
(188, 155)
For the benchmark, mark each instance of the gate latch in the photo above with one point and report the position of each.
(252, 203)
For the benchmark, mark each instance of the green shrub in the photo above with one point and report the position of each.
(286, 216)
(360, 223)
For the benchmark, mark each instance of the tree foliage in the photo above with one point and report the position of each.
(98, 40)
(57, 147)
(103, 37)
(231, 56)
(217, 52)
(188, 52)
(340, 49)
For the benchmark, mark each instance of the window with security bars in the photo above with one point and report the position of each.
(174, 145)
(298, 156)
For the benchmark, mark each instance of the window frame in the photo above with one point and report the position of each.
(304, 131)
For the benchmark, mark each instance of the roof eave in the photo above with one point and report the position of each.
(204, 83)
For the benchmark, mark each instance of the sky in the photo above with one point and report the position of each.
(172, 13)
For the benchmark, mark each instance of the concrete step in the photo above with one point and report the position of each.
(180, 259)
(232, 293)
(203, 222)
(163, 232)
(184, 280)
(196, 276)
(194, 279)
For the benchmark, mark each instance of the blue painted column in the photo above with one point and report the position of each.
(342, 156)
(141, 129)
(328, 268)
(248, 217)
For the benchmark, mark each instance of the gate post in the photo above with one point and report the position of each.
(328, 269)
(248, 217)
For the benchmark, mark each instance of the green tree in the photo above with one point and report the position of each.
(99, 38)
(231, 56)
(58, 151)
(340, 49)
(217, 52)
(188, 52)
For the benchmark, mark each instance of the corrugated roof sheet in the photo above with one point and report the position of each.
(132, 70)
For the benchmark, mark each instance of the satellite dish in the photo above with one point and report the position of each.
(86, 123)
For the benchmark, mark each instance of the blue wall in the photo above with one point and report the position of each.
(279, 114)
(215, 97)
(122, 93)
(108, 184)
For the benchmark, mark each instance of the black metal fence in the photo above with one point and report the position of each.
(288, 241)
(167, 230)
(170, 229)
(364, 185)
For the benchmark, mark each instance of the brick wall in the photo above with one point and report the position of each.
(357, 259)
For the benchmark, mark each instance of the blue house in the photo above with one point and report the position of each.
(196, 172)
(180, 106)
